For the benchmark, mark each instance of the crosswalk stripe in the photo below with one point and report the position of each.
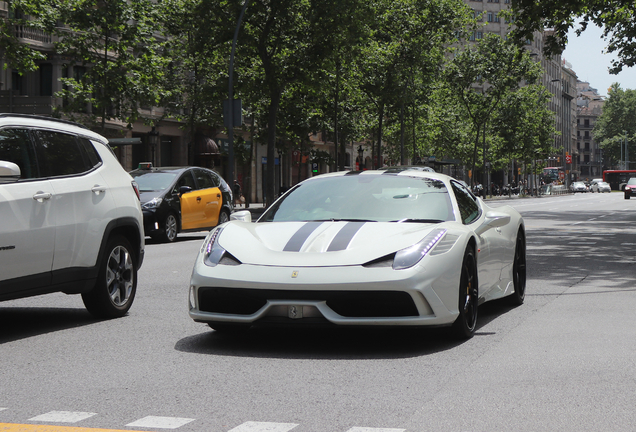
(9, 427)
(367, 429)
(264, 427)
(63, 416)
(160, 422)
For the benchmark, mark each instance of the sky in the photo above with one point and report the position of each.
(585, 53)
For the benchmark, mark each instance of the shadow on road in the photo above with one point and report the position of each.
(24, 322)
(335, 343)
(568, 253)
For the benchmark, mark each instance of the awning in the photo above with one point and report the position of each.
(124, 141)
(205, 146)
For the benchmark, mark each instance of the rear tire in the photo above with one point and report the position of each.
(223, 217)
(169, 231)
(468, 298)
(116, 284)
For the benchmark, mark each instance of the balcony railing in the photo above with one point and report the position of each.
(41, 105)
(32, 34)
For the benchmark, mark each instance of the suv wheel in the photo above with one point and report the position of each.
(116, 284)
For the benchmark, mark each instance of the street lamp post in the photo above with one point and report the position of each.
(153, 141)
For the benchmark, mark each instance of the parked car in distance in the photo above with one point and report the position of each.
(579, 186)
(179, 199)
(630, 188)
(70, 215)
(601, 187)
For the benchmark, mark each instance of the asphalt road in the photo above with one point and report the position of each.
(564, 361)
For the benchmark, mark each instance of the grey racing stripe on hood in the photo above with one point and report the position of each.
(344, 236)
(298, 239)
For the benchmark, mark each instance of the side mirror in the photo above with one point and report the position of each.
(9, 172)
(184, 189)
(493, 220)
(243, 216)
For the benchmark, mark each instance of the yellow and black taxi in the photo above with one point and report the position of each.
(179, 199)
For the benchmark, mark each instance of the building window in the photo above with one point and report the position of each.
(46, 79)
(587, 122)
(586, 158)
(17, 83)
(587, 146)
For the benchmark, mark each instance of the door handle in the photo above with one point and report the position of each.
(97, 189)
(42, 196)
(218, 195)
(198, 199)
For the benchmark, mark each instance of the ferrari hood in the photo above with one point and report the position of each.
(318, 244)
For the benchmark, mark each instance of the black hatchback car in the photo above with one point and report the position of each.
(179, 199)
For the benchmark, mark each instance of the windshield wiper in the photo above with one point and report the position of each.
(419, 220)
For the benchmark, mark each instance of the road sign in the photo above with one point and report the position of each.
(568, 159)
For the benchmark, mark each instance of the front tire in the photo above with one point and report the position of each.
(468, 302)
(116, 284)
(519, 271)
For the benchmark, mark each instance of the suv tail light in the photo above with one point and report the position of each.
(136, 189)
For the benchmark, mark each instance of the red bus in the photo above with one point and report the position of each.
(618, 178)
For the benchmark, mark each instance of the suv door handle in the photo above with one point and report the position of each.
(42, 196)
(97, 189)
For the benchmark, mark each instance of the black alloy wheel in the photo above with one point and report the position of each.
(519, 271)
(466, 323)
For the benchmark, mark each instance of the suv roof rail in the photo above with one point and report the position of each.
(39, 117)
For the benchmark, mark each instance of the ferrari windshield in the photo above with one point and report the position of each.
(373, 197)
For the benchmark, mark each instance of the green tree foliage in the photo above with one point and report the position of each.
(115, 41)
(24, 15)
(524, 125)
(617, 122)
(617, 17)
(482, 75)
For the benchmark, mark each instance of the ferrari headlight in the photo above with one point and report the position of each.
(212, 252)
(153, 203)
(410, 256)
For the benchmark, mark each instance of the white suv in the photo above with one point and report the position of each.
(70, 217)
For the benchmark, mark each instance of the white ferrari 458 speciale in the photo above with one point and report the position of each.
(397, 247)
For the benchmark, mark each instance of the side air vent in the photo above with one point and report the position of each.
(445, 244)
(228, 259)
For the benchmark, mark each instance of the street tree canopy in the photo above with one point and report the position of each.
(617, 123)
(616, 17)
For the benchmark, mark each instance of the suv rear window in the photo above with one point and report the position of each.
(61, 154)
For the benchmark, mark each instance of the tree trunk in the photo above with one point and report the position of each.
(270, 190)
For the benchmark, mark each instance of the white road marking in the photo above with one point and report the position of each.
(160, 422)
(366, 429)
(63, 416)
(264, 427)
(582, 243)
(628, 244)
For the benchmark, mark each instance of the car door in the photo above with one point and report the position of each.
(190, 210)
(206, 199)
(81, 197)
(27, 217)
